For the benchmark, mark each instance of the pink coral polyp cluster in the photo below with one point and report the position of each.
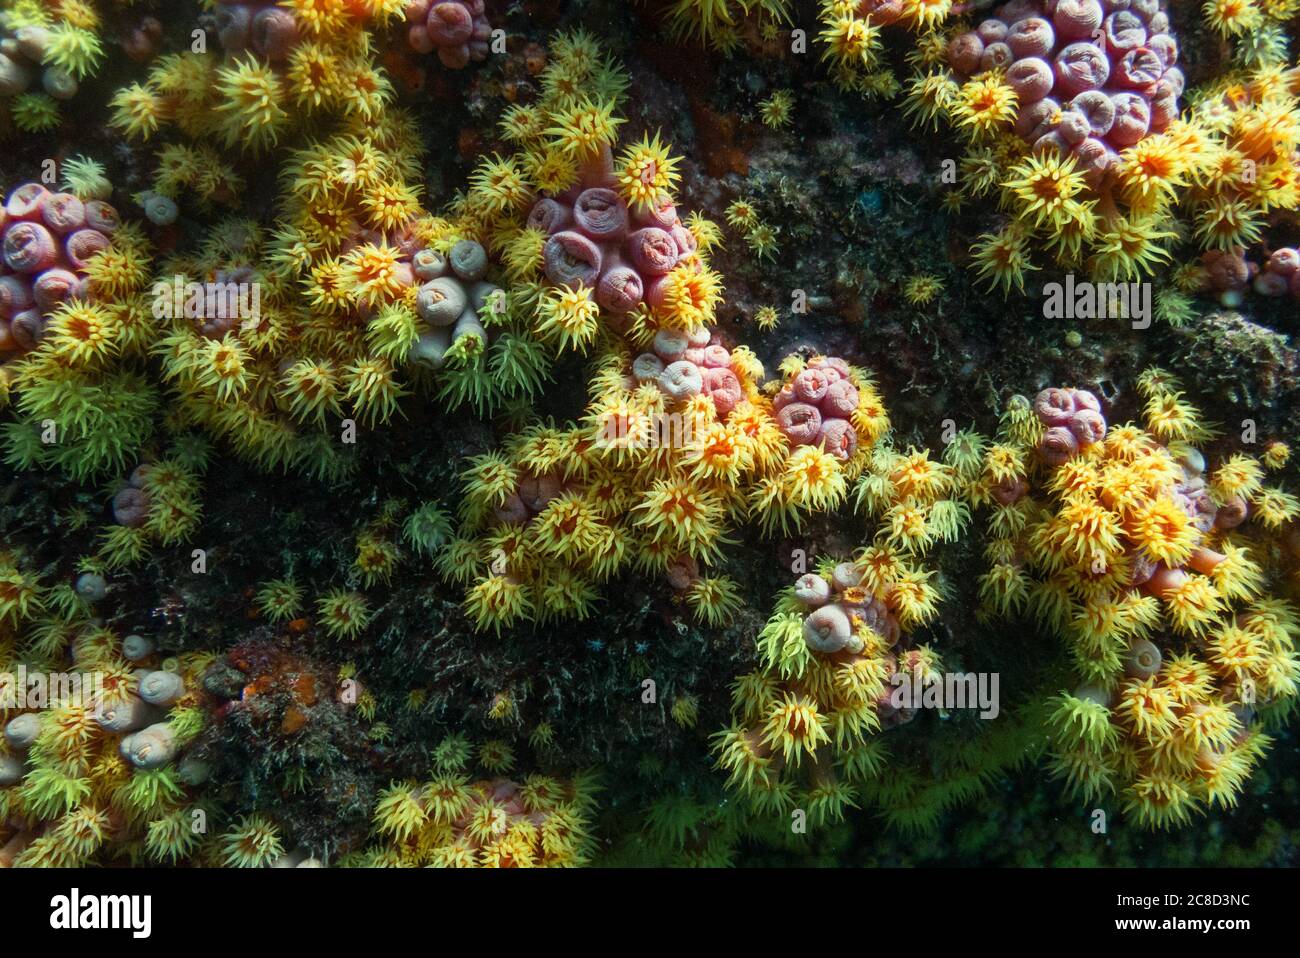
(881, 12)
(1091, 77)
(1230, 272)
(840, 615)
(683, 365)
(457, 30)
(48, 240)
(815, 407)
(531, 495)
(131, 502)
(268, 30)
(451, 297)
(595, 242)
(838, 611)
(1074, 421)
(1281, 274)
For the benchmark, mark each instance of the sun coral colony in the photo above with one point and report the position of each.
(954, 690)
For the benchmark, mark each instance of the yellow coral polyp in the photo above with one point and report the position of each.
(682, 514)
(646, 173)
(583, 130)
(1171, 418)
(913, 598)
(389, 205)
(916, 476)
(741, 214)
(1159, 801)
(1151, 171)
(117, 272)
(720, 452)
(568, 528)
(1080, 533)
(319, 17)
(1276, 455)
(400, 811)
(690, 297)
(813, 479)
(1041, 187)
(138, 111)
(985, 105)
(1193, 606)
(1005, 588)
(313, 75)
(372, 272)
(569, 317)
(1225, 223)
(1239, 475)
(376, 559)
(851, 41)
(373, 389)
(795, 727)
(1147, 708)
(250, 111)
(498, 601)
(1275, 508)
(499, 186)
(343, 614)
(926, 15)
(83, 333)
(1162, 530)
(73, 48)
(714, 600)
(224, 367)
(1129, 248)
(1002, 258)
